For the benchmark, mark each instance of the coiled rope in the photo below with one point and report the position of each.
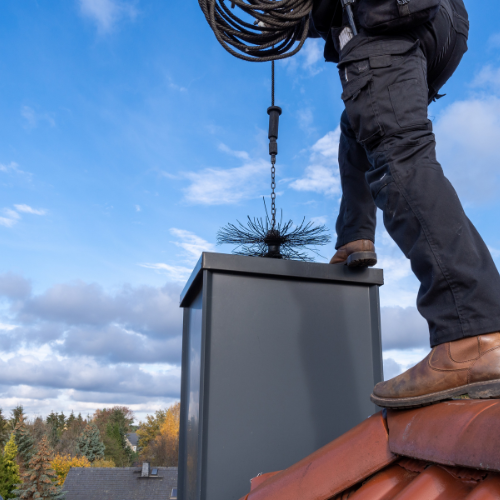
(278, 26)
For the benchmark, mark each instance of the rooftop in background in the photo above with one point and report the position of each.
(133, 438)
(447, 451)
(119, 483)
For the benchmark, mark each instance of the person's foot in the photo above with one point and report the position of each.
(469, 366)
(359, 253)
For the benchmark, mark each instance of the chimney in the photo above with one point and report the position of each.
(145, 469)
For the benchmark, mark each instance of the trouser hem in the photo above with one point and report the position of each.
(479, 328)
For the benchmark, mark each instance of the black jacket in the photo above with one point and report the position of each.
(326, 14)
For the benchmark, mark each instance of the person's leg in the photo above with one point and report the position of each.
(357, 216)
(385, 93)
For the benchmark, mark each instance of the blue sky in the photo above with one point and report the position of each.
(128, 137)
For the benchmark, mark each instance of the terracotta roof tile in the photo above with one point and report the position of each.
(457, 433)
(334, 468)
(444, 452)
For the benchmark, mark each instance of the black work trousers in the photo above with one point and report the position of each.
(387, 159)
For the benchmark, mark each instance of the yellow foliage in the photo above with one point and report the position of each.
(61, 464)
(103, 463)
(163, 450)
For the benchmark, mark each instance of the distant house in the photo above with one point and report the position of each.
(121, 483)
(132, 440)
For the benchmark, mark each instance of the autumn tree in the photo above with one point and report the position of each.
(163, 450)
(61, 464)
(89, 444)
(40, 480)
(24, 441)
(149, 429)
(9, 470)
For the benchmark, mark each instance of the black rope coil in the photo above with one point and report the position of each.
(279, 24)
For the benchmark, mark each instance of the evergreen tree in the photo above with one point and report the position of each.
(89, 443)
(4, 430)
(39, 481)
(17, 414)
(71, 419)
(24, 441)
(9, 470)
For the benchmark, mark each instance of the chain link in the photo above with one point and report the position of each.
(273, 160)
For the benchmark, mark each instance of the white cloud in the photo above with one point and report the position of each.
(312, 52)
(33, 118)
(322, 175)
(191, 243)
(11, 218)
(215, 186)
(487, 77)
(391, 368)
(238, 154)
(306, 119)
(13, 167)
(175, 273)
(137, 208)
(320, 220)
(29, 210)
(106, 13)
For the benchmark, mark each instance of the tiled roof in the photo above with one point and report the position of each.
(120, 483)
(447, 451)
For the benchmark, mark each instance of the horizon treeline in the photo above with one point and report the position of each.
(60, 442)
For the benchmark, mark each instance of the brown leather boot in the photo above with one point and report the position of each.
(359, 253)
(467, 366)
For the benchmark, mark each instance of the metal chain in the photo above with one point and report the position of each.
(273, 161)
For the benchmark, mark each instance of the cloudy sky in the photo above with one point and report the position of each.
(128, 137)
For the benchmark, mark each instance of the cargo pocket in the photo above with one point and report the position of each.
(409, 102)
(361, 108)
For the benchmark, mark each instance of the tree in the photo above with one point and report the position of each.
(89, 443)
(114, 424)
(24, 441)
(61, 464)
(150, 429)
(9, 470)
(17, 414)
(4, 430)
(40, 480)
(164, 449)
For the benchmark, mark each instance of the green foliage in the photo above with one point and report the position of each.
(17, 414)
(9, 470)
(40, 480)
(114, 424)
(24, 441)
(4, 430)
(89, 443)
(149, 429)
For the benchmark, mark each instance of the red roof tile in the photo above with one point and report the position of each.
(334, 468)
(451, 433)
(444, 452)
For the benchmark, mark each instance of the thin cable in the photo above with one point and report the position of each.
(278, 26)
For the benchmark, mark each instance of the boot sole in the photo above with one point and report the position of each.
(478, 390)
(362, 259)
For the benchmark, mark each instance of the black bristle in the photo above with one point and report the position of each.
(259, 239)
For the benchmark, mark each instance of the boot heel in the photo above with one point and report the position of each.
(362, 259)
(485, 391)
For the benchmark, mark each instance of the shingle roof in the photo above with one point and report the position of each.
(447, 451)
(124, 483)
